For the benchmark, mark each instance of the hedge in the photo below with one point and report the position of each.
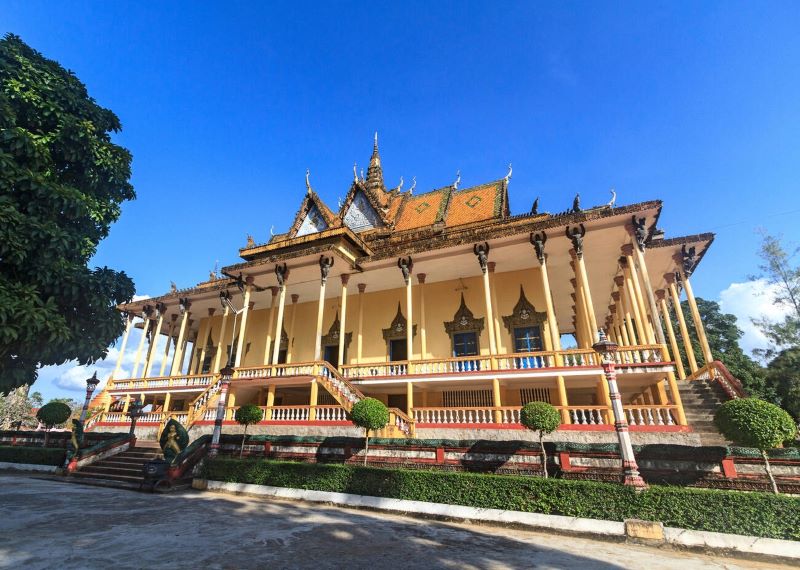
(34, 455)
(754, 514)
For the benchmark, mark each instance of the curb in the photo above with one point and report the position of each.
(654, 534)
(4, 465)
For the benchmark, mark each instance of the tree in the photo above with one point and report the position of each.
(778, 271)
(541, 417)
(723, 338)
(15, 408)
(51, 415)
(62, 181)
(783, 376)
(246, 416)
(370, 414)
(756, 423)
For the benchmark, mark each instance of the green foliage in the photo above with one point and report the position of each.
(370, 414)
(783, 376)
(757, 514)
(62, 182)
(53, 414)
(248, 415)
(540, 416)
(32, 455)
(755, 423)
(17, 408)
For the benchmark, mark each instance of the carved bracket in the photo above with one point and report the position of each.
(575, 235)
(482, 251)
(538, 240)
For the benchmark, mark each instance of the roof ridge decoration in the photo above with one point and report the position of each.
(313, 215)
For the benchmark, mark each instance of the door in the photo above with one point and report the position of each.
(397, 350)
(331, 355)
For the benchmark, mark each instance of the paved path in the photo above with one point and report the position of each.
(53, 524)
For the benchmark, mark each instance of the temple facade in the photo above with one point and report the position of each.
(442, 304)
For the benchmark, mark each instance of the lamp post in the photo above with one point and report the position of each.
(91, 384)
(630, 470)
(225, 381)
(134, 413)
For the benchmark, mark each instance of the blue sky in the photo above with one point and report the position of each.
(225, 105)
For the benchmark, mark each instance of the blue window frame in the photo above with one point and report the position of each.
(527, 339)
(465, 344)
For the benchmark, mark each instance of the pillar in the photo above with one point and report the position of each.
(673, 388)
(482, 252)
(423, 334)
(627, 251)
(406, 265)
(248, 289)
(223, 398)
(359, 342)
(642, 333)
(312, 413)
(282, 273)
(342, 326)
(583, 280)
(538, 241)
(206, 336)
(410, 399)
(562, 399)
(270, 321)
(177, 359)
(221, 343)
(325, 264)
(167, 399)
(639, 258)
(676, 305)
(290, 344)
(151, 357)
(698, 323)
(270, 400)
(146, 311)
(128, 326)
(673, 342)
(496, 309)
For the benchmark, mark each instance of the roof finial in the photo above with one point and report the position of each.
(413, 185)
(508, 176)
(355, 173)
(362, 175)
(376, 140)
(308, 183)
(400, 186)
(458, 180)
(613, 201)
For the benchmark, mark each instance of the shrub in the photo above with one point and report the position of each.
(370, 414)
(541, 417)
(247, 415)
(52, 414)
(34, 455)
(754, 514)
(756, 423)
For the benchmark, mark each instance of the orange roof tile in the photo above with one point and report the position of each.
(422, 210)
(475, 204)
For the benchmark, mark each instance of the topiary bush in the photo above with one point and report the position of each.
(247, 415)
(370, 414)
(541, 417)
(51, 415)
(758, 424)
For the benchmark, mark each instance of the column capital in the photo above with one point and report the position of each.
(612, 308)
(619, 281)
(184, 304)
(421, 278)
(273, 290)
(537, 241)
(406, 265)
(669, 278)
(481, 250)
(345, 277)
(362, 287)
(173, 317)
(685, 259)
(161, 308)
(325, 264)
(574, 283)
(491, 265)
(661, 295)
(616, 296)
(282, 274)
(623, 261)
(211, 312)
(576, 235)
(638, 230)
(574, 297)
(147, 310)
(295, 298)
(249, 280)
(627, 249)
(251, 305)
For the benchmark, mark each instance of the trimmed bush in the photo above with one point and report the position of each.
(370, 414)
(51, 415)
(756, 514)
(33, 455)
(758, 424)
(246, 416)
(543, 418)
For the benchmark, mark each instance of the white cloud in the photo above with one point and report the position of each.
(751, 300)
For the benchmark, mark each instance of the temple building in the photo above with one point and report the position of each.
(443, 304)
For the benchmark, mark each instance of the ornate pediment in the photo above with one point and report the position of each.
(312, 223)
(524, 315)
(398, 328)
(360, 214)
(463, 321)
(332, 338)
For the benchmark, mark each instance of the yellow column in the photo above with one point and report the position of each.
(676, 305)
(627, 251)
(282, 272)
(126, 403)
(583, 279)
(178, 358)
(582, 314)
(409, 318)
(552, 323)
(673, 342)
(270, 321)
(290, 333)
(167, 399)
(482, 251)
(151, 357)
(325, 263)
(203, 347)
(698, 323)
(128, 326)
(562, 399)
(221, 343)
(605, 397)
(342, 326)
(638, 252)
(359, 343)
(312, 413)
(673, 388)
(423, 335)
(642, 334)
(165, 357)
(410, 399)
(248, 289)
(496, 309)
(270, 401)
(138, 358)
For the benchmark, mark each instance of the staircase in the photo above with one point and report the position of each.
(123, 470)
(701, 399)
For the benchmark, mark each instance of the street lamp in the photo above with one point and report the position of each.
(134, 413)
(91, 384)
(225, 381)
(630, 470)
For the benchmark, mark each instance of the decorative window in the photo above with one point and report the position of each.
(527, 339)
(330, 343)
(527, 395)
(465, 331)
(467, 399)
(397, 332)
(524, 325)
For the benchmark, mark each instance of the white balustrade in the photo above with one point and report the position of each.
(649, 415)
(586, 416)
(508, 415)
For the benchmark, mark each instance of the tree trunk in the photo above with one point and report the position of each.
(768, 468)
(46, 437)
(244, 436)
(544, 455)
(366, 446)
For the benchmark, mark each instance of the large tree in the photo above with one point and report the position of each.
(62, 181)
(783, 376)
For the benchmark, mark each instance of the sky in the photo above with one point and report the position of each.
(225, 105)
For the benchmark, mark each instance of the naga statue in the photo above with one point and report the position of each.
(174, 439)
(76, 440)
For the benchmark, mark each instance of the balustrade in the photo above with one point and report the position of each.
(588, 415)
(650, 415)
(477, 415)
